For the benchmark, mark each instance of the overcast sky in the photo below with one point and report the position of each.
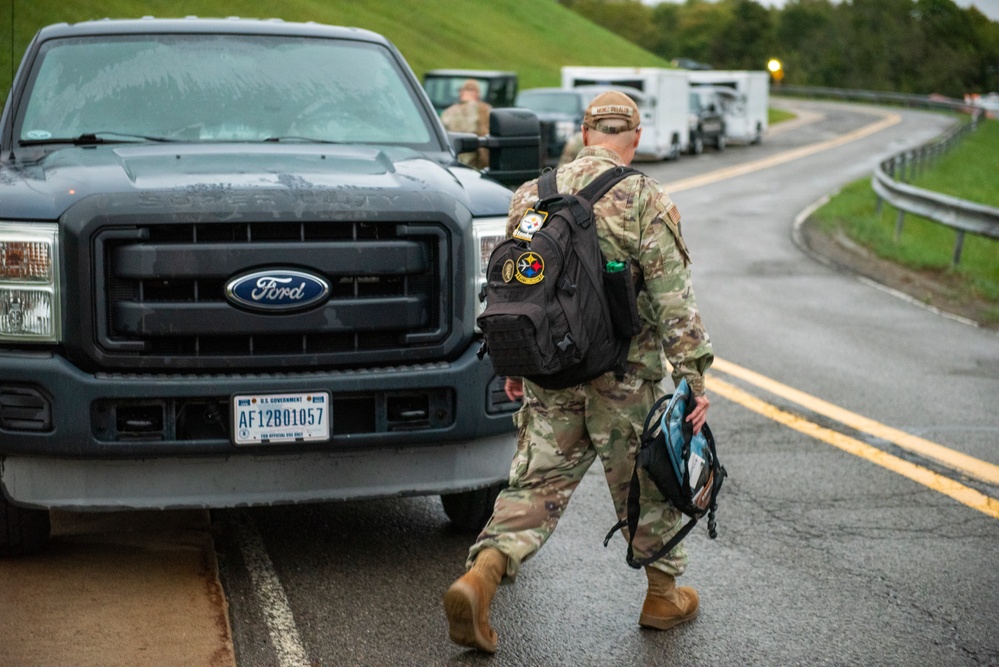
(988, 7)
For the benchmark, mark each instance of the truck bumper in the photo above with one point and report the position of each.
(167, 483)
(158, 441)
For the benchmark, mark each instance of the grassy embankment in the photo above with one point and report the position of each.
(968, 172)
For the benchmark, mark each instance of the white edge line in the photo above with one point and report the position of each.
(798, 240)
(275, 606)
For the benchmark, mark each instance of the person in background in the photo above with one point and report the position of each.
(571, 150)
(562, 432)
(469, 114)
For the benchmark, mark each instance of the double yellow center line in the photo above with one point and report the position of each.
(964, 464)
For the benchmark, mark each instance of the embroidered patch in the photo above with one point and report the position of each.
(612, 110)
(530, 268)
(509, 268)
(530, 223)
(673, 213)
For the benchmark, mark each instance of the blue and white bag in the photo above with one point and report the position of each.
(683, 466)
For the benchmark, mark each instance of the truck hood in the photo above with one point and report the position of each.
(42, 184)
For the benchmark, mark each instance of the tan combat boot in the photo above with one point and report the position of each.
(666, 605)
(467, 601)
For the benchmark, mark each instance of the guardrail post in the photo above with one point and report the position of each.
(891, 183)
(958, 247)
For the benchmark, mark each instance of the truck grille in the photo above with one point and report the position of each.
(161, 293)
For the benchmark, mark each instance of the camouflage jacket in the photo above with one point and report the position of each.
(471, 117)
(638, 221)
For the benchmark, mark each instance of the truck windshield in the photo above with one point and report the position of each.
(215, 88)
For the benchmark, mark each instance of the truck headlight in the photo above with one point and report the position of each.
(489, 233)
(29, 283)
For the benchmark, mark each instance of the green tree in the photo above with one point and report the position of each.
(809, 45)
(696, 28)
(746, 39)
(948, 61)
(986, 57)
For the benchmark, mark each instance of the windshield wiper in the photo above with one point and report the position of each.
(304, 140)
(94, 138)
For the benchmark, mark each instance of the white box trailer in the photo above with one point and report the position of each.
(746, 112)
(663, 97)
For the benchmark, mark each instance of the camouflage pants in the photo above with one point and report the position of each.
(560, 435)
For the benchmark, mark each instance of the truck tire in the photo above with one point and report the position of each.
(22, 531)
(674, 150)
(470, 510)
(720, 143)
(697, 144)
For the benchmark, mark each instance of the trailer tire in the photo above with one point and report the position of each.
(23, 531)
(470, 510)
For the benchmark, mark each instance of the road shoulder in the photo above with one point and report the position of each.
(933, 289)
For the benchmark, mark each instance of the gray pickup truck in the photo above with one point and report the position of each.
(240, 265)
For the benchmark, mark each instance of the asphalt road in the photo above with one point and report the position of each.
(838, 543)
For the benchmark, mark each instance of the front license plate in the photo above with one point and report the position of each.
(267, 418)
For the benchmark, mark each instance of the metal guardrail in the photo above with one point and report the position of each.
(958, 214)
(961, 215)
(879, 97)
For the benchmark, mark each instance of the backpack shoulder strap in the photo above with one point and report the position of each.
(600, 185)
(547, 187)
(594, 190)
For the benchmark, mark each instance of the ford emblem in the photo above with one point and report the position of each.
(277, 290)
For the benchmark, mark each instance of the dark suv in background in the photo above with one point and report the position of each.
(560, 112)
(707, 121)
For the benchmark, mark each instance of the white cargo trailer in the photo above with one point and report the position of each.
(663, 97)
(746, 112)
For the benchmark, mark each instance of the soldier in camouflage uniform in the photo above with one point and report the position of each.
(469, 114)
(562, 432)
(571, 149)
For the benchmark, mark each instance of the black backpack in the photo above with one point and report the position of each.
(683, 466)
(557, 312)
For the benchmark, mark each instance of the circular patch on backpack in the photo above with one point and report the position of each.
(509, 268)
(530, 268)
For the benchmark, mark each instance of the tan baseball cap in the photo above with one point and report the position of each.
(471, 84)
(612, 105)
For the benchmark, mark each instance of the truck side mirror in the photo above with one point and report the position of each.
(464, 142)
(514, 144)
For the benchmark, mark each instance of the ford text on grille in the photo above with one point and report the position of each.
(267, 289)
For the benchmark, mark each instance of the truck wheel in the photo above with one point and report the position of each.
(22, 531)
(674, 151)
(697, 144)
(720, 144)
(469, 510)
